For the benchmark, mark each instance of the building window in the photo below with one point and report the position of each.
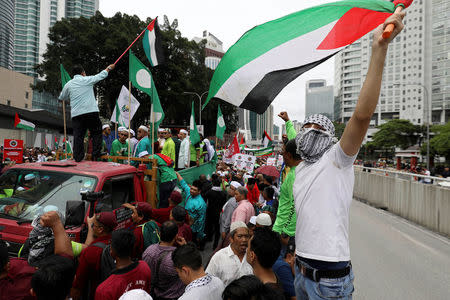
(8, 102)
(26, 95)
(26, 105)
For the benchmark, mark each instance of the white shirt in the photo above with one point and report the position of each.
(184, 155)
(227, 266)
(323, 193)
(205, 288)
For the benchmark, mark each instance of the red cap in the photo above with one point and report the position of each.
(175, 197)
(108, 219)
(145, 209)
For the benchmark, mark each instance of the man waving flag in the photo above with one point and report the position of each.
(270, 56)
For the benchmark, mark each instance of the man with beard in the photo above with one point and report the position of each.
(144, 146)
(323, 186)
(230, 263)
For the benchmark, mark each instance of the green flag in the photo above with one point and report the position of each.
(140, 75)
(220, 128)
(156, 110)
(65, 77)
(193, 132)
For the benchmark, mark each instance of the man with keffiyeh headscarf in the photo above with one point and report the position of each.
(323, 186)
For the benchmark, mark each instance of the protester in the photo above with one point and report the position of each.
(244, 211)
(262, 252)
(209, 150)
(228, 209)
(88, 275)
(194, 155)
(215, 199)
(179, 215)
(132, 140)
(253, 191)
(108, 138)
(169, 147)
(285, 221)
(184, 156)
(165, 281)
(146, 231)
(199, 285)
(85, 113)
(143, 147)
(230, 263)
(249, 287)
(177, 141)
(88, 147)
(323, 187)
(284, 268)
(17, 276)
(161, 138)
(120, 146)
(196, 208)
(290, 134)
(127, 275)
(162, 215)
(263, 220)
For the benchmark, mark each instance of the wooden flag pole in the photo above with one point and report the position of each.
(65, 132)
(115, 130)
(153, 129)
(129, 120)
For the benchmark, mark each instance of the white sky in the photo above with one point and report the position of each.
(228, 20)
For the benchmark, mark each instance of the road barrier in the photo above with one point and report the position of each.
(401, 194)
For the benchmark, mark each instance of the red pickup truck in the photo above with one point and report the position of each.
(74, 189)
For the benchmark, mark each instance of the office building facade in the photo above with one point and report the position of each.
(319, 98)
(213, 49)
(7, 34)
(254, 125)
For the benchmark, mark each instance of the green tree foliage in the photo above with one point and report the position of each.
(97, 42)
(395, 133)
(440, 143)
(338, 129)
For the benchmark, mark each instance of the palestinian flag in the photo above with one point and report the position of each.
(267, 141)
(260, 152)
(152, 44)
(20, 123)
(269, 56)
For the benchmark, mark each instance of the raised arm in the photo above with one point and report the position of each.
(368, 98)
(62, 243)
(290, 130)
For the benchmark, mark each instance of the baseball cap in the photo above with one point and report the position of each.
(108, 219)
(145, 209)
(236, 225)
(263, 219)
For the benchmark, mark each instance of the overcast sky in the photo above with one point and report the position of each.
(228, 20)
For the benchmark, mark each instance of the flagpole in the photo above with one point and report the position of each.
(65, 135)
(129, 120)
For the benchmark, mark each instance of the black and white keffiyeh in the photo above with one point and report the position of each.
(205, 280)
(313, 143)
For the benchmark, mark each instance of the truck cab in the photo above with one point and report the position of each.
(28, 190)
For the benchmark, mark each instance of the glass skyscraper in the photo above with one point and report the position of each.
(7, 34)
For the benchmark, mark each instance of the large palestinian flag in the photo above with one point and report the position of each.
(269, 56)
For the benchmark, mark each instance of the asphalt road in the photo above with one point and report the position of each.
(396, 259)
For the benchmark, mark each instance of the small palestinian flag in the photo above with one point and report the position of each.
(267, 141)
(152, 44)
(270, 56)
(21, 123)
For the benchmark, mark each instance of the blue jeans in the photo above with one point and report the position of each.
(326, 288)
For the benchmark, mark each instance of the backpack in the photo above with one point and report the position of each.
(107, 264)
(150, 232)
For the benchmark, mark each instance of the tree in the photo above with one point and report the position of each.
(96, 42)
(440, 143)
(395, 133)
(338, 129)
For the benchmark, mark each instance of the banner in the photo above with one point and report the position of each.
(244, 162)
(13, 149)
(191, 174)
(271, 161)
(260, 152)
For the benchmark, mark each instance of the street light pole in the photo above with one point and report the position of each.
(200, 104)
(428, 100)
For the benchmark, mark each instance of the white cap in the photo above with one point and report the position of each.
(142, 154)
(183, 131)
(263, 219)
(143, 127)
(136, 294)
(161, 130)
(132, 132)
(105, 126)
(253, 220)
(121, 128)
(235, 184)
(29, 177)
(236, 225)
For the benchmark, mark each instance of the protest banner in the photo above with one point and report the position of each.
(244, 162)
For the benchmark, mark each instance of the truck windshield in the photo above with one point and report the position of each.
(25, 194)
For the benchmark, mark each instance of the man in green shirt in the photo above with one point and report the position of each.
(169, 147)
(286, 215)
(120, 146)
(144, 146)
(194, 162)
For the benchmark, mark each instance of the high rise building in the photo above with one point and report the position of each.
(254, 124)
(7, 34)
(319, 98)
(213, 49)
(276, 133)
(33, 20)
(416, 69)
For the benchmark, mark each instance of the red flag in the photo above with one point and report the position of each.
(242, 140)
(233, 148)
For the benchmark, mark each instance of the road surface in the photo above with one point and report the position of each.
(396, 259)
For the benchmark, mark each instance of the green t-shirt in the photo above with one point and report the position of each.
(165, 173)
(193, 152)
(119, 149)
(169, 149)
(286, 215)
